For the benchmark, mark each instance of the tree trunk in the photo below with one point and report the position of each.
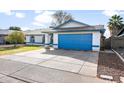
(15, 44)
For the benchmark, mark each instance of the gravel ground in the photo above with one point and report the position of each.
(121, 52)
(110, 64)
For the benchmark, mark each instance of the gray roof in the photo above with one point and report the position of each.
(76, 29)
(84, 27)
(28, 32)
(96, 27)
(35, 32)
(70, 21)
(4, 31)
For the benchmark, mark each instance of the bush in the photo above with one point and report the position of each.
(16, 37)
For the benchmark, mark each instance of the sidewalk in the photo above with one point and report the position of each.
(18, 72)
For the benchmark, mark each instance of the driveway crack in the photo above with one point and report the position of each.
(81, 67)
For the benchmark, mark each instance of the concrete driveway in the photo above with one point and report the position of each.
(50, 66)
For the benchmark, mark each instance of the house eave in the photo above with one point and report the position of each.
(92, 30)
(121, 35)
(98, 30)
(121, 32)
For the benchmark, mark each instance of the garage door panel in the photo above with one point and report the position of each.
(75, 41)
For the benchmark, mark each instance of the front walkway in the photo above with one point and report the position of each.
(50, 66)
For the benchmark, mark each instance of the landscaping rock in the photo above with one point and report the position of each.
(110, 64)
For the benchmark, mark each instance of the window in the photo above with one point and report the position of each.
(32, 39)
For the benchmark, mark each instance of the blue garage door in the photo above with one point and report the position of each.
(75, 41)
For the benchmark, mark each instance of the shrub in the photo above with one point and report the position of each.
(16, 37)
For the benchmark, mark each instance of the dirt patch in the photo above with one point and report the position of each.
(120, 51)
(110, 64)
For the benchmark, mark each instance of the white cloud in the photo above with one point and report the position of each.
(43, 18)
(25, 28)
(20, 15)
(110, 12)
(121, 12)
(7, 12)
(37, 24)
(38, 11)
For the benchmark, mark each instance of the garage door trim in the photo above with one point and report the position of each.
(82, 46)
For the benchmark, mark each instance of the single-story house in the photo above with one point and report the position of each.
(74, 35)
(34, 37)
(3, 34)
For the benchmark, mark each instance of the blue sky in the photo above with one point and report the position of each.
(36, 19)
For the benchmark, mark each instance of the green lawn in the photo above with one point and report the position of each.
(5, 51)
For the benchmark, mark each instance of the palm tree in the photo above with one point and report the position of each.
(115, 24)
(60, 17)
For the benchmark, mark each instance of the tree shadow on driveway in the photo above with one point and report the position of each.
(86, 56)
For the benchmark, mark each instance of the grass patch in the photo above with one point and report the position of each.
(12, 50)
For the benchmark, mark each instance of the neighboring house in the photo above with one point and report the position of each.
(3, 34)
(74, 35)
(121, 33)
(34, 37)
(117, 42)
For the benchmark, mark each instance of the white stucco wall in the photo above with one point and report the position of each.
(95, 39)
(55, 40)
(47, 40)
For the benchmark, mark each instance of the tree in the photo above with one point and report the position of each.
(115, 24)
(15, 28)
(16, 37)
(60, 17)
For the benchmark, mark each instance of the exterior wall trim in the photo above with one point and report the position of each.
(98, 30)
(95, 45)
